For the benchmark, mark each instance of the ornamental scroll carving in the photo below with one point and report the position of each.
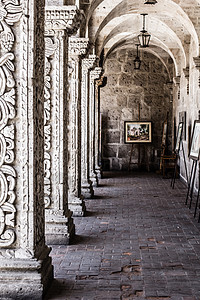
(50, 48)
(10, 13)
(63, 18)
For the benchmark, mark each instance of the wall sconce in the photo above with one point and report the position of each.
(144, 36)
(137, 61)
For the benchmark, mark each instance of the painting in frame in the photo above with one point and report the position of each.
(179, 137)
(137, 132)
(164, 135)
(195, 144)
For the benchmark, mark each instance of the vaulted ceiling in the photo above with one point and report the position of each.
(111, 24)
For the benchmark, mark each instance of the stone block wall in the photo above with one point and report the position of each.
(125, 90)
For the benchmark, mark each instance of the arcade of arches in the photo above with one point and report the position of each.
(67, 84)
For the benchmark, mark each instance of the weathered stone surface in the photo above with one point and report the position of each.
(109, 151)
(113, 137)
(146, 89)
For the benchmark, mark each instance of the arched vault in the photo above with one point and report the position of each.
(171, 26)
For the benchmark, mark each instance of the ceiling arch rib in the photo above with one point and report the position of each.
(162, 50)
(131, 26)
(174, 17)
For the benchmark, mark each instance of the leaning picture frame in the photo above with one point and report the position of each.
(179, 137)
(164, 135)
(137, 132)
(195, 144)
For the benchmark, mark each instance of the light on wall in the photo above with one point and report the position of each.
(150, 2)
(137, 61)
(144, 36)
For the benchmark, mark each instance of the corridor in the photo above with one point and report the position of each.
(137, 241)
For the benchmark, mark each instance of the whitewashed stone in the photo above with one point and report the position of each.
(77, 48)
(60, 22)
(22, 239)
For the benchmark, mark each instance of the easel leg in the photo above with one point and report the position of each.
(192, 188)
(174, 175)
(197, 201)
(130, 158)
(188, 191)
(186, 172)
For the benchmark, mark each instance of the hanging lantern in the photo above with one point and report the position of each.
(144, 36)
(137, 61)
(150, 2)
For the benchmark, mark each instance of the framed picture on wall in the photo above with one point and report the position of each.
(137, 132)
(179, 137)
(195, 144)
(164, 135)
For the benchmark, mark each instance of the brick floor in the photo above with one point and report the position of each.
(137, 241)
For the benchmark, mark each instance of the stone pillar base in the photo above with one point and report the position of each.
(26, 278)
(87, 190)
(94, 179)
(77, 206)
(98, 172)
(59, 229)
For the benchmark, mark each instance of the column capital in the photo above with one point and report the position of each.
(63, 18)
(78, 46)
(197, 62)
(89, 63)
(186, 72)
(95, 74)
(177, 80)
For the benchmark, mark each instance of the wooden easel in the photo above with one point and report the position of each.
(131, 154)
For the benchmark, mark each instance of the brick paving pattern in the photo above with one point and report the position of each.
(137, 241)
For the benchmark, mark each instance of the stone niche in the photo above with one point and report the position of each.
(127, 90)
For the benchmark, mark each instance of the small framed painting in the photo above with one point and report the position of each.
(179, 137)
(137, 132)
(195, 144)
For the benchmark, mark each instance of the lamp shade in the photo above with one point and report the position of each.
(144, 39)
(150, 2)
(137, 63)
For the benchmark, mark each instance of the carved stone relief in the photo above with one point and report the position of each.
(50, 48)
(10, 14)
(77, 47)
(94, 75)
(86, 184)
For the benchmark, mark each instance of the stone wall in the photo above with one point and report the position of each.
(125, 90)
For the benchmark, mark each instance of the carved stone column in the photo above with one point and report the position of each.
(93, 127)
(186, 72)
(60, 23)
(197, 65)
(97, 133)
(86, 184)
(25, 265)
(77, 47)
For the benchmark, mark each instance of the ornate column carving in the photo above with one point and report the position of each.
(197, 65)
(177, 81)
(86, 184)
(22, 239)
(97, 133)
(60, 22)
(93, 128)
(186, 72)
(77, 47)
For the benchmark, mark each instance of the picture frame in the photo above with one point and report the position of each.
(195, 143)
(182, 118)
(164, 135)
(179, 137)
(137, 132)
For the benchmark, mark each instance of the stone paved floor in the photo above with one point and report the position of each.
(138, 241)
